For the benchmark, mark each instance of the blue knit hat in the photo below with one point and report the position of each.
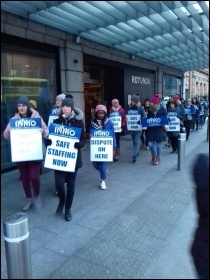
(24, 100)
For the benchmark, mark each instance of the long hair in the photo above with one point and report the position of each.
(95, 118)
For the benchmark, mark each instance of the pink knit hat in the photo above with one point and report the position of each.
(100, 107)
(154, 100)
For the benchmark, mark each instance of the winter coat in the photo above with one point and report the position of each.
(156, 133)
(35, 114)
(197, 110)
(200, 245)
(74, 122)
(107, 125)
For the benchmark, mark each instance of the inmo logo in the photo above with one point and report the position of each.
(23, 123)
(64, 130)
(101, 133)
(153, 120)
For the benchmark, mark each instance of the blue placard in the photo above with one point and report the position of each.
(189, 111)
(102, 133)
(53, 111)
(65, 131)
(23, 123)
(155, 121)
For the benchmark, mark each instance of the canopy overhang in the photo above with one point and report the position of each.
(172, 33)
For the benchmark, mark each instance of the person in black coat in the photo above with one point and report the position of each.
(67, 117)
(156, 134)
(200, 245)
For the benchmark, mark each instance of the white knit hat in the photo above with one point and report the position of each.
(61, 96)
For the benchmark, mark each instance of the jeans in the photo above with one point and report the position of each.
(69, 177)
(136, 140)
(102, 168)
(30, 171)
(158, 148)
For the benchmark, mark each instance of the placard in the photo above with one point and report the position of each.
(132, 117)
(189, 111)
(173, 124)
(61, 154)
(101, 145)
(116, 118)
(51, 119)
(26, 139)
(155, 121)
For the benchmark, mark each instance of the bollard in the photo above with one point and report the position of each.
(16, 236)
(181, 151)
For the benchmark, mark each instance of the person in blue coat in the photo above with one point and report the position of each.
(101, 121)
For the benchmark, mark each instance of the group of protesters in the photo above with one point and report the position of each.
(148, 138)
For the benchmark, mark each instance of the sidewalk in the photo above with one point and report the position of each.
(140, 227)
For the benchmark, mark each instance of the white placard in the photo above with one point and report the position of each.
(51, 119)
(173, 124)
(101, 149)
(116, 120)
(26, 144)
(61, 154)
(132, 122)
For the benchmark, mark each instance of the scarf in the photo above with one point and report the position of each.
(116, 109)
(99, 124)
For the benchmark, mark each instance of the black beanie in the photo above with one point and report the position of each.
(68, 102)
(23, 100)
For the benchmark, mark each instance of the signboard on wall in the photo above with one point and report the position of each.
(141, 82)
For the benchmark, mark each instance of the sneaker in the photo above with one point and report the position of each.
(103, 185)
(37, 204)
(28, 204)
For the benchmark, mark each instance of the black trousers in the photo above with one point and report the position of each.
(70, 178)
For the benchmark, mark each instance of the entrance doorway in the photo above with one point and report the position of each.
(93, 97)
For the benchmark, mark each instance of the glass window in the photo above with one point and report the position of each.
(30, 74)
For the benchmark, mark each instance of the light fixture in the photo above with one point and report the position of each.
(78, 39)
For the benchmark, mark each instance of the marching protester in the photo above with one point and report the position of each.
(101, 121)
(144, 130)
(67, 117)
(173, 135)
(188, 119)
(136, 133)
(196, 116)
(116, 107)
(29, 170)
(56, 111)
(156, 134)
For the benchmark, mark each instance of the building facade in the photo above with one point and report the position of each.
(40, 62)
(196, 84)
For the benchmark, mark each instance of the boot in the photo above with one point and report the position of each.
(117, 154)
(68, 215)
(59, 209)
(61, 194)
(153, 159)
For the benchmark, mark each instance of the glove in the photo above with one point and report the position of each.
(48, 142)
(77, 145)
(138, 122)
